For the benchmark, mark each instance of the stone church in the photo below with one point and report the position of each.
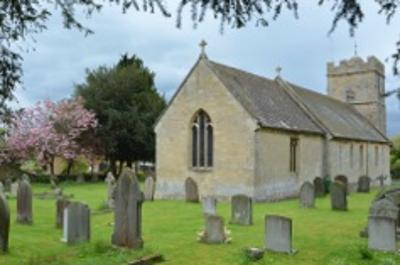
(234, 132)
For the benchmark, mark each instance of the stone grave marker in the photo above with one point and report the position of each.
(7, 185)
(307, 195)
(214, 232)
(128, 212)
(191, 190)
(76, 224)
(209, 205)
(382, 233)
(343, 179)
(149, 188)
(24, 203)
(111, 186)
(278, 234)
(61, 204)
(4, 224)
(363, 184)
(14, 189)
(241, 210)
(319, 187)
(338, 196)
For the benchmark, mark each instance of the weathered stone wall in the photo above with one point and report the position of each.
(233, 170)
(273, 179)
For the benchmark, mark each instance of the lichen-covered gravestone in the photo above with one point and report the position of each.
(4, 224)
(214, 232)
(307, 195)
(338, 196)
(319, 187)
(382, 233)
(191, 190)
(111, 186)
(209, 205)
(241, 210)
(24, 203)
(363, 184)
(61, 204)
(149, 188)
(128, 212)
(278, 234)
(76, 223)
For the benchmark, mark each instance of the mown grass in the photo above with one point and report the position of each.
(321, 236)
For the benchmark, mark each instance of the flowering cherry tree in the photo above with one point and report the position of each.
(49, 130)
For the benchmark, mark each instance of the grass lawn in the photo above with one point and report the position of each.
(321, 236)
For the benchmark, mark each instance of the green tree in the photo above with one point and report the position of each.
(126, 103)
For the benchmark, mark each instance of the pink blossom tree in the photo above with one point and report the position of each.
(49, 130)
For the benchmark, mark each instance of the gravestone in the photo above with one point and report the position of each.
(319, 187)
(24, 203)
(61, 204)
(214, 232)
(191, 190)
(363, 184)
(307, 195)
(241, 210)
(343, 179)
(76, 224)
(4, 224)
(14, 189)
(128, 212)
(80, 179)
(278, 234)
(7, 185)
(26, 177)
(338, 196)
(111, 186)
(209, 205)
(382, 233)
(149, 188)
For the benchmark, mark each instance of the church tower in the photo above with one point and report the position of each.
(361, 84)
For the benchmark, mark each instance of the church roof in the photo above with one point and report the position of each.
(282, 105)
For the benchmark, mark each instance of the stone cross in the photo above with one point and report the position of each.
(338, 196)
(214, 232)
(191, 190)
(61, 204)
(278, 234)
(149, 188)
(241, 210)
(209, 205)
(24, 203)
(76, 227)
(111, 186)
(307, 195)
(319, 187)
(382, 233)
(4, 224)
(363, 184)
(128, 212)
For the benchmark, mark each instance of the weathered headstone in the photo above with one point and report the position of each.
(4, 224)
(26, 177)
(61, 204)
(338, 196)
(241, 210)
(192, 191)
(209, 205)
(363, 184)
(149, 188)
(319, 187)
(7, 185)
(382, 233)
(24, 203)
(307, 195)
(111, 186)
(343, 179)
(76, 224)
(128, 212)
(278, 234)
(14, 189)
(214, 231)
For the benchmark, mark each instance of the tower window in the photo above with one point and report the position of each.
(202, 141)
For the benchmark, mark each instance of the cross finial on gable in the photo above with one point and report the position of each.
(278, 71)
(203, 45)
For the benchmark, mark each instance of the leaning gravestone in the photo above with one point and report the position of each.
(214, 232)
(241, 210)
(307, 195)
(149, 187)
(338, 196)
(128, 212)
(278, 234)
(61, 204)
(111, 186)
(14, 189)
(24, 203)
(382, 233)
(4, 224)
(76, 223)
(191, 190)
(319, 187)
(363, 184)
(209, 205)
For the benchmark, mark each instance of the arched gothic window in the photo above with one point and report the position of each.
(202, 140)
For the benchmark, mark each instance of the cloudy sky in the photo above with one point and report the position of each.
(301, 47)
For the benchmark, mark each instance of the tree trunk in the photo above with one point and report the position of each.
(120, 167)
(69, 166)
(53, 177)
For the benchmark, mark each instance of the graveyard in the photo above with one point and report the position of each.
(170, 228)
